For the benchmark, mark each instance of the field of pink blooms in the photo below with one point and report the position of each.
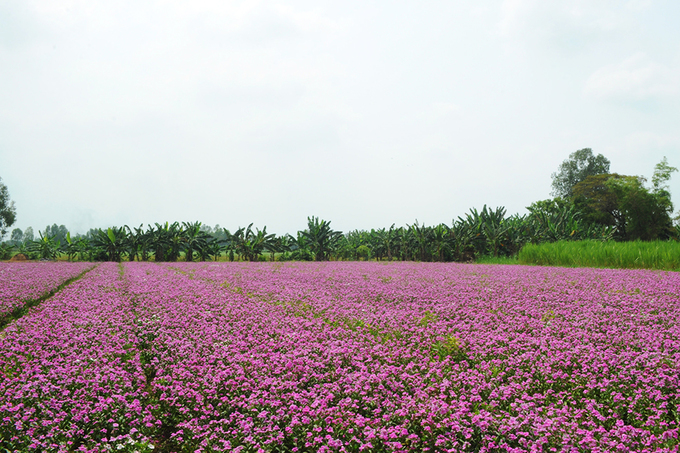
(25, 282)
(345, 357)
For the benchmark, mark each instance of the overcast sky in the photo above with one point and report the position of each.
(361, 112)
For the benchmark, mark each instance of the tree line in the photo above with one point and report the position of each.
(485, 232)
(589, 203)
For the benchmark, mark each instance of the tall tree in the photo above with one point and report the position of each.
(636, 211)
(576, 168)
(58, 233)
(8, 212)
(28, 235)
(17, 236)
(660, 189)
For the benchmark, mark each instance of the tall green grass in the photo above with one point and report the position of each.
(627, 255)
(496, 260)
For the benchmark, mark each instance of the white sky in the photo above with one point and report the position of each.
(361, 112)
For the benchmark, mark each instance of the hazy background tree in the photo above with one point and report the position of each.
(28, 235)
(660, 188)
(57, 233)
(17, 236)
(576, 168)
(8, 212)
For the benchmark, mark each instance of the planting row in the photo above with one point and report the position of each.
(24, 282)
(346, 357)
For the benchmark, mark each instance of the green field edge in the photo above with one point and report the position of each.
(656, 255)
(21, 311)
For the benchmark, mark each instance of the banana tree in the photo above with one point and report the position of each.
(421, 235)
(440, 241)
(251, 243)
(211, 249)
(562, 223)
(322, 240)
(176, 240)
(299, 247)
(277, 244)
(229, 244)
(462, 236)
(406, 247)
(46, 247)
(6, 251)
(194, 240)
(159, 240)
(383, 242)
(518, 232)
(138, 243)
(113, 242)
(70, 247)
(284, 245)
(494, 229)
(349, 243)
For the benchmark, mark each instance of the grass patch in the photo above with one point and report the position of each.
(663, 255)
(497, 260)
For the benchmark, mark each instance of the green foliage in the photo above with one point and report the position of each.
(75, 247)
(251, 243)
(46, 247)
(562, 221)
(630, 255)
(110, 245)
(497, 260)
(451, 347)
(596, 202)
(624, 203)
(600, 207)
(643, 215)
(8, 211)
(58, 232)
(363, 252)
(662, 174)
(17, 236)
(551, 206)
(320, 238)
(6, 251)
(195, 240)
(576, 168)
(28, 235)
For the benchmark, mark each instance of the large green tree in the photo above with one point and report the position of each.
(8, 212)
(622, 201)
(576, 168)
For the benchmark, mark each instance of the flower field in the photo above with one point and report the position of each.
(339, 356)
(24, 282)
